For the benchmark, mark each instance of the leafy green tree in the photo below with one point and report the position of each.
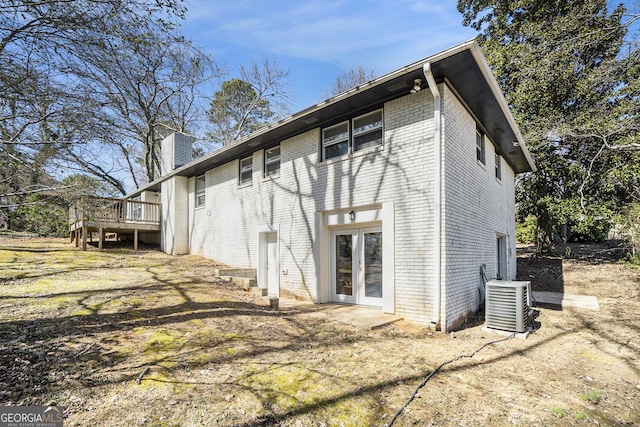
(236, 111)
(630, 220)
(42, 214)
(573, 94)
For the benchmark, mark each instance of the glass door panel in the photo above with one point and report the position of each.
(344, 265)
(370, 292)
(356, 266)
(373, 265)
(343, 256)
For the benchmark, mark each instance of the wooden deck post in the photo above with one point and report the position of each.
(135, 239)
(100, 242)
(84, 238)
(125, 208)
(76, 234)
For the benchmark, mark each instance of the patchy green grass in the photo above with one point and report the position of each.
(142, 338)
(592, 397)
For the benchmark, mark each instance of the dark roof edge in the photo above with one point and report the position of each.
(470, 45)
(476, 51)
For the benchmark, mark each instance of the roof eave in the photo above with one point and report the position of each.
(296, 121)
(497, 92)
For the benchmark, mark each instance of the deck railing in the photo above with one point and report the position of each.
(103, 210)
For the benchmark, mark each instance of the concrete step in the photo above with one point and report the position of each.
(244, 282)
(261, 292)
(249, 273)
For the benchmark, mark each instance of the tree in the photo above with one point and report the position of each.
(236, 111)
(51, 111)
(243, 105)
(350, 79)
(145, 85)
(49, 106)
(571, 90)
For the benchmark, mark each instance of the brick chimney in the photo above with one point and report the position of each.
(176, 150)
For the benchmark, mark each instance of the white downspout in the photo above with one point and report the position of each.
(437, 214)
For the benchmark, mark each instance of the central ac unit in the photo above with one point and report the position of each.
(507, 305)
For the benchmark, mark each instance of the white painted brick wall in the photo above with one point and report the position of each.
(174, 222)
(476, 207)
(226, 228)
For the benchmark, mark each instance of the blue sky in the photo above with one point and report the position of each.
(317, 40)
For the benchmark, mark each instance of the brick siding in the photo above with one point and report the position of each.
(475, 207)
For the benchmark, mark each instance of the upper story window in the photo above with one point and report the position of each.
(335, 141)
(367, 130)
(498, 167)
(246, 171)
(480, 147)
(200, 185)
(350, 136)
(272, 161)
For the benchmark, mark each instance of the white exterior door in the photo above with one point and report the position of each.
(356, 265)
(273, 287)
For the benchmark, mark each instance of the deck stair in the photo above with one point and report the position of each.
(243, 277)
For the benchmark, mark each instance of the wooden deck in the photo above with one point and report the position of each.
(106, 215)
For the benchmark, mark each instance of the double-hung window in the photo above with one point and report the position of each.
(480, 147)
(246, 171)
(367, 130)
(200, 186)
(272, 162)
(335, 141)
(352, 135)
(498, 167)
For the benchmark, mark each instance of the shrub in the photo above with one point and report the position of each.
(45, 217)
(526, 231)
(630, 224)
(590, 229)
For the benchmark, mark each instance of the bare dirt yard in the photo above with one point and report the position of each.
(123, 338)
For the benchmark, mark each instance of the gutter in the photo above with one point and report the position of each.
(437, 220)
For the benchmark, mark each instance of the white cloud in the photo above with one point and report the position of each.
(331, 35)
(336, 31)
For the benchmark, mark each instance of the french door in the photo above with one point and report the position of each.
(356, 264)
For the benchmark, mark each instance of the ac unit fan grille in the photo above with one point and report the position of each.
(507, 305)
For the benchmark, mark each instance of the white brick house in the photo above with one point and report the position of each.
(384, 196)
